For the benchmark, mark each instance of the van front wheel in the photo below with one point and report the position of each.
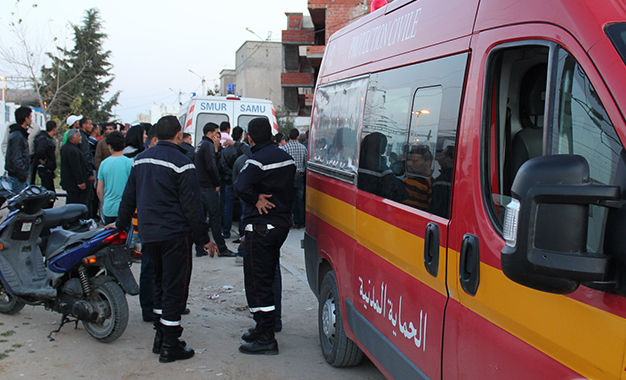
(338, 349)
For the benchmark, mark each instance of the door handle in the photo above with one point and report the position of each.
(469, 266)
(431, 249)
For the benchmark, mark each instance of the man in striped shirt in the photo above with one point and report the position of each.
(299, 154)
(418, 180)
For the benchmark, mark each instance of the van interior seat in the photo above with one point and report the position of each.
(528, 142)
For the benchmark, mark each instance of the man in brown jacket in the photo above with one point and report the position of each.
(102, 150)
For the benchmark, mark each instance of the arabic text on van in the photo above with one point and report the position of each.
(384, 306)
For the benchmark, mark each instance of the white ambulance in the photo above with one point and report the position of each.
(199, 110)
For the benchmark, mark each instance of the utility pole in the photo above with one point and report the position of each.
(3, 78)
(203, 82)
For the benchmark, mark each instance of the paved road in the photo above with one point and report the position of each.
(213, 329)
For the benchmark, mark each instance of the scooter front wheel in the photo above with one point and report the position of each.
(112, 325)
(8, 303)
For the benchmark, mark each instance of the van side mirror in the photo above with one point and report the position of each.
(545, 225)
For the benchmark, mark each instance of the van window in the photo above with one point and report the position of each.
(585, 129)
(617, 35)
(515, 111)
(243, 120)
(203, 118)
(337, 116)
(515, 108)
(409, 133)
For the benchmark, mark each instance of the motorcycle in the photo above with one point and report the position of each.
(46, 260)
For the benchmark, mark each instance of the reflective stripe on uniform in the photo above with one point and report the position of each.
(276, 165)
(250, 227)
(157, 311)
(166, 164)
(169, 323)
(264, 309)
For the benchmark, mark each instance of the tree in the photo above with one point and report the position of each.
(213, 92)
(23, 54)
(284, 120)
(89, 64)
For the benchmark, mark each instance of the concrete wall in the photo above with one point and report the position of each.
(259, 65)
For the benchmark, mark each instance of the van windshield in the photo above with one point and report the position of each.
(617, 35)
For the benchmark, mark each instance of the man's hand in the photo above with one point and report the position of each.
(211, 247)
(228, 143)
(263, 205)
(82, 186)
(92, 180)
(110, 226)
(216, 141)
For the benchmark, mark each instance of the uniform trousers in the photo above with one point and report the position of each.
(260, 259)
(78, 196)
(172, 267)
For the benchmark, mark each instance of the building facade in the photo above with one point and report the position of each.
(303, 48)
(258, 70)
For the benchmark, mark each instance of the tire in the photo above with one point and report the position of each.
(8, 303)
(115, 324)
(338, 349)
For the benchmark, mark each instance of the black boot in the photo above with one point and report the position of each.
(172, 350)
(265, 344)
(251, 335)
(158, 341)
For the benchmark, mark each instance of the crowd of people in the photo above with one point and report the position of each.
(152, 177)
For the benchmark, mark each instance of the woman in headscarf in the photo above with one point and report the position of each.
(135, 138)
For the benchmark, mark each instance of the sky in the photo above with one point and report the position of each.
(155, 43)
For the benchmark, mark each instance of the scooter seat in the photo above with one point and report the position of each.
(55, 217)
(61, 239)
(56, 240)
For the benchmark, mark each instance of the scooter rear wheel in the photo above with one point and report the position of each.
(114, 325)
(8, 303)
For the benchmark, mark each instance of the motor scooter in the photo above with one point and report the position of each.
(83, 275)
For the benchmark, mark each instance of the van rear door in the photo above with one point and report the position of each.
(211, 111)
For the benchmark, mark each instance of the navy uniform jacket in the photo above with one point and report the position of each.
(164, 189)
(269, 170)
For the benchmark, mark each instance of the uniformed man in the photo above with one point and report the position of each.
(163, 187)
(265, 185)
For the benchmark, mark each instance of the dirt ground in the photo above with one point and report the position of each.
(213, 329)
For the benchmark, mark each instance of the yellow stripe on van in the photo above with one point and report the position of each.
(586, 339)
(399, 247)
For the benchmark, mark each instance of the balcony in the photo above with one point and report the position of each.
(299, 37)
(297, 80)
(315, 51)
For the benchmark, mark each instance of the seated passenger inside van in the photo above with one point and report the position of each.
(443, 183)
(374, 175)
(418, 181)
